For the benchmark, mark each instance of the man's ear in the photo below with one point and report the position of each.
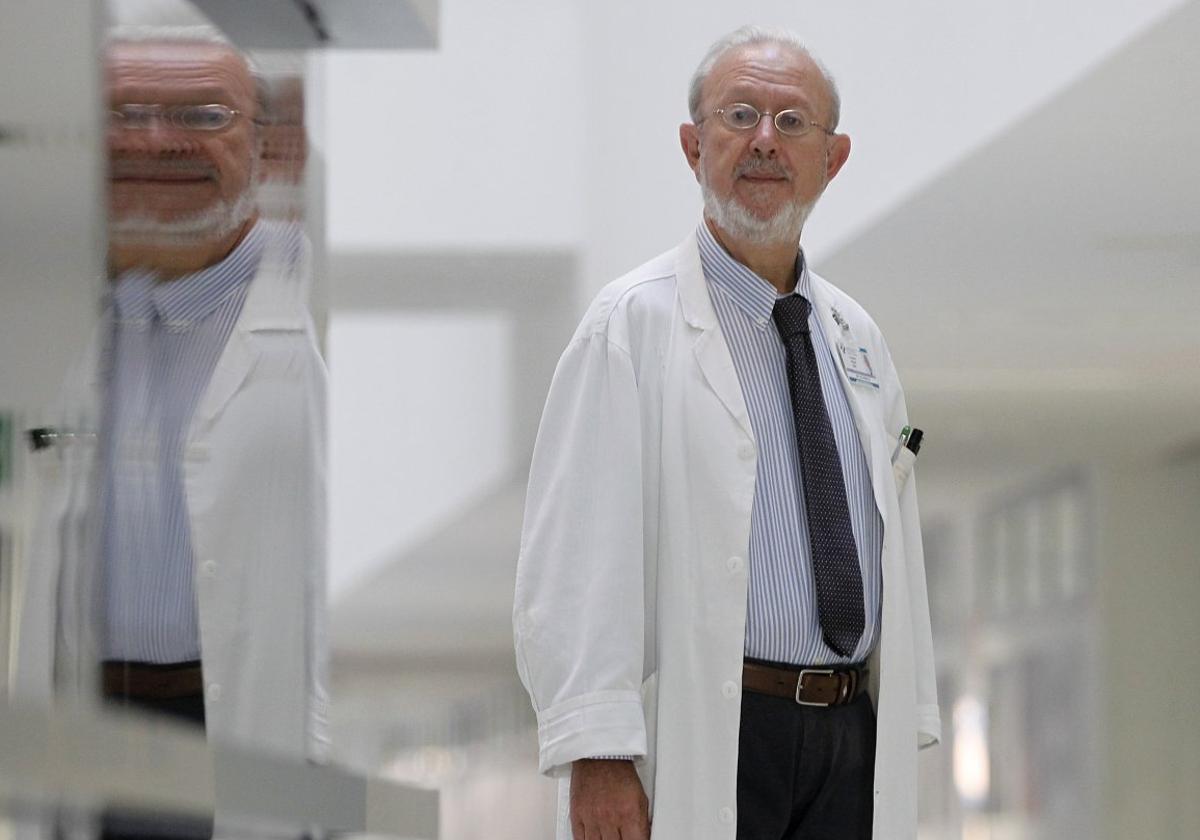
(839, 151)
(689, 140)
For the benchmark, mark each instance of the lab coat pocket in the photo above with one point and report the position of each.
(902, 467)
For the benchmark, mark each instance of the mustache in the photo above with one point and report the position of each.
(150, 168)
(761, 166)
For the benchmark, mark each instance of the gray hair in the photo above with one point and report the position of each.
(747, 35)
(140, 33)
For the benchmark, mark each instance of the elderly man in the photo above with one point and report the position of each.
(179, 560)
(720, 611)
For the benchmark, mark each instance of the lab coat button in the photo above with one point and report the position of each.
(746, 451)
(730, 689)
(214, 692)
(208, 569)
(726, 815)
(734, 564)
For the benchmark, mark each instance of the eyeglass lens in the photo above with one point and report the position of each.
(742, 117)
(190, 117)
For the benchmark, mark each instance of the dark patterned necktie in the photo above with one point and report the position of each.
(834, 556)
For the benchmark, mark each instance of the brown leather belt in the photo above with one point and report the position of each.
(152, 682)
(807, 686)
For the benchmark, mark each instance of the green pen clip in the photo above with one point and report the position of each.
(904, 433)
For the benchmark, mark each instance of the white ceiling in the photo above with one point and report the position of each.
(1041, 298)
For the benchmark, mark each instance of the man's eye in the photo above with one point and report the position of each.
(742, 115)
(204, 118)
(790, 121)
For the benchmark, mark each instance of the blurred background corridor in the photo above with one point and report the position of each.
(1019, 214)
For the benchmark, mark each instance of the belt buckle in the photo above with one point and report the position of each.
(828, 672)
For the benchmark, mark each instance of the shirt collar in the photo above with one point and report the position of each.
(751, 293)
(185, 301)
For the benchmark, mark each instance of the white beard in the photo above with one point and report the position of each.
(729, 215)
(212, 224)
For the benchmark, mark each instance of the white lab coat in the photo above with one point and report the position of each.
(630, 606)
(254, 477)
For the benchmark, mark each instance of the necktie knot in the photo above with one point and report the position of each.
(791, 316)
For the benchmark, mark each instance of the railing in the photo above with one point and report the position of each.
(74, 758)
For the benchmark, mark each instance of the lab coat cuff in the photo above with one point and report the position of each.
(929, 726)
(600, 723)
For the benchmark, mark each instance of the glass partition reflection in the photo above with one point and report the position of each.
(170, 548)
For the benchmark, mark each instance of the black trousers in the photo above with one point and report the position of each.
(805, 772)
(188, 709)
(131, 825)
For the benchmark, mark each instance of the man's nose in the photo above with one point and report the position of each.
(766, 136)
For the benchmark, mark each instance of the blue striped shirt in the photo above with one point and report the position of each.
(781, 618)
(165, 342)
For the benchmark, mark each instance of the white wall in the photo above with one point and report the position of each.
(472, 147)
(1151, 588)
(476, 144)
(418, 417)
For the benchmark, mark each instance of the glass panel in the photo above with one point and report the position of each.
(162, 491)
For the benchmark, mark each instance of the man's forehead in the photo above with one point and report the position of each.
(178, 70)
(767, 64)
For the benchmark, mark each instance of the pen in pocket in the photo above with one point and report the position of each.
(905, 455)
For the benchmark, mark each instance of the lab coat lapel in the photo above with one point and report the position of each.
(874, 446)
(708, 343)
(275, 300)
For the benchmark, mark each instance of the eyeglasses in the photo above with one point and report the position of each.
(742, 117)
(187, 117)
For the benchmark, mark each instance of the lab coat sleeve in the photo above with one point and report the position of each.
(56, 538)
(35, 599)
(312, 505)
(316, 507)
(929, 727)
(578, 612)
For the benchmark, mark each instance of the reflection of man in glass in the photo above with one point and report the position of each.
(208, 550)
(182, 142)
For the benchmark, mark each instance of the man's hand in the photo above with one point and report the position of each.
(607, 801)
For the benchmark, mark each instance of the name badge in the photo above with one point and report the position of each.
(857, 364)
